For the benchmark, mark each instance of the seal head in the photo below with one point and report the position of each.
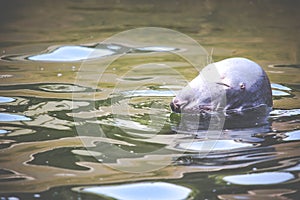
(233, 84)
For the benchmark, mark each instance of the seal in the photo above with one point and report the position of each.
(231, 85)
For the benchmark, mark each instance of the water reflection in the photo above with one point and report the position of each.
(148, 190)
(185, 153)
(6, 99)
(71, 53)
(8, 117)
(279, 90)
(277, 93)
(241, 124)
(292, 136)
(281, 114)
(266, 178)
(47, 87)
(63, 88)
(2, 131)
(266, 194)
(212, 145)
(234, 148)
(280, 87)
(85, 52)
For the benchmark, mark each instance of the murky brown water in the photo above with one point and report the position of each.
(54, 105)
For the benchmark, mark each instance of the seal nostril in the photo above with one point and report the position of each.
(172, 106)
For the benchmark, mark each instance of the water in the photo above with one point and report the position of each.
(68, 133)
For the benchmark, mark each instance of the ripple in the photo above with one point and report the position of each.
(265, 178)
(284, 113)
(6, 99)
(71, 53)
(280, 87)
(5, 76)
(287, 65)
(278, 93)
(86, 153)
(294, 168)
(137, 78)
(62, 88)
(114, 47)
(156, 49)
(213, 145)
(148, 93)
(137, 191)
(7, 117)
(48, 87)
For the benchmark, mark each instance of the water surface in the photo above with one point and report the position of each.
(49, 120)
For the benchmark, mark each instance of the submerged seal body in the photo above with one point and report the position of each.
(233, 84)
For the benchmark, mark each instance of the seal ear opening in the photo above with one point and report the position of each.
(242, 86)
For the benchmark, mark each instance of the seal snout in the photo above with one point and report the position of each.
(175, 105)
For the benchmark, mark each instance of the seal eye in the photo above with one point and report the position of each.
(242, 86)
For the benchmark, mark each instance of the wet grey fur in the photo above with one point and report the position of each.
(233, 84)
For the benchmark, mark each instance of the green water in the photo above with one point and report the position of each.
(51, 111)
